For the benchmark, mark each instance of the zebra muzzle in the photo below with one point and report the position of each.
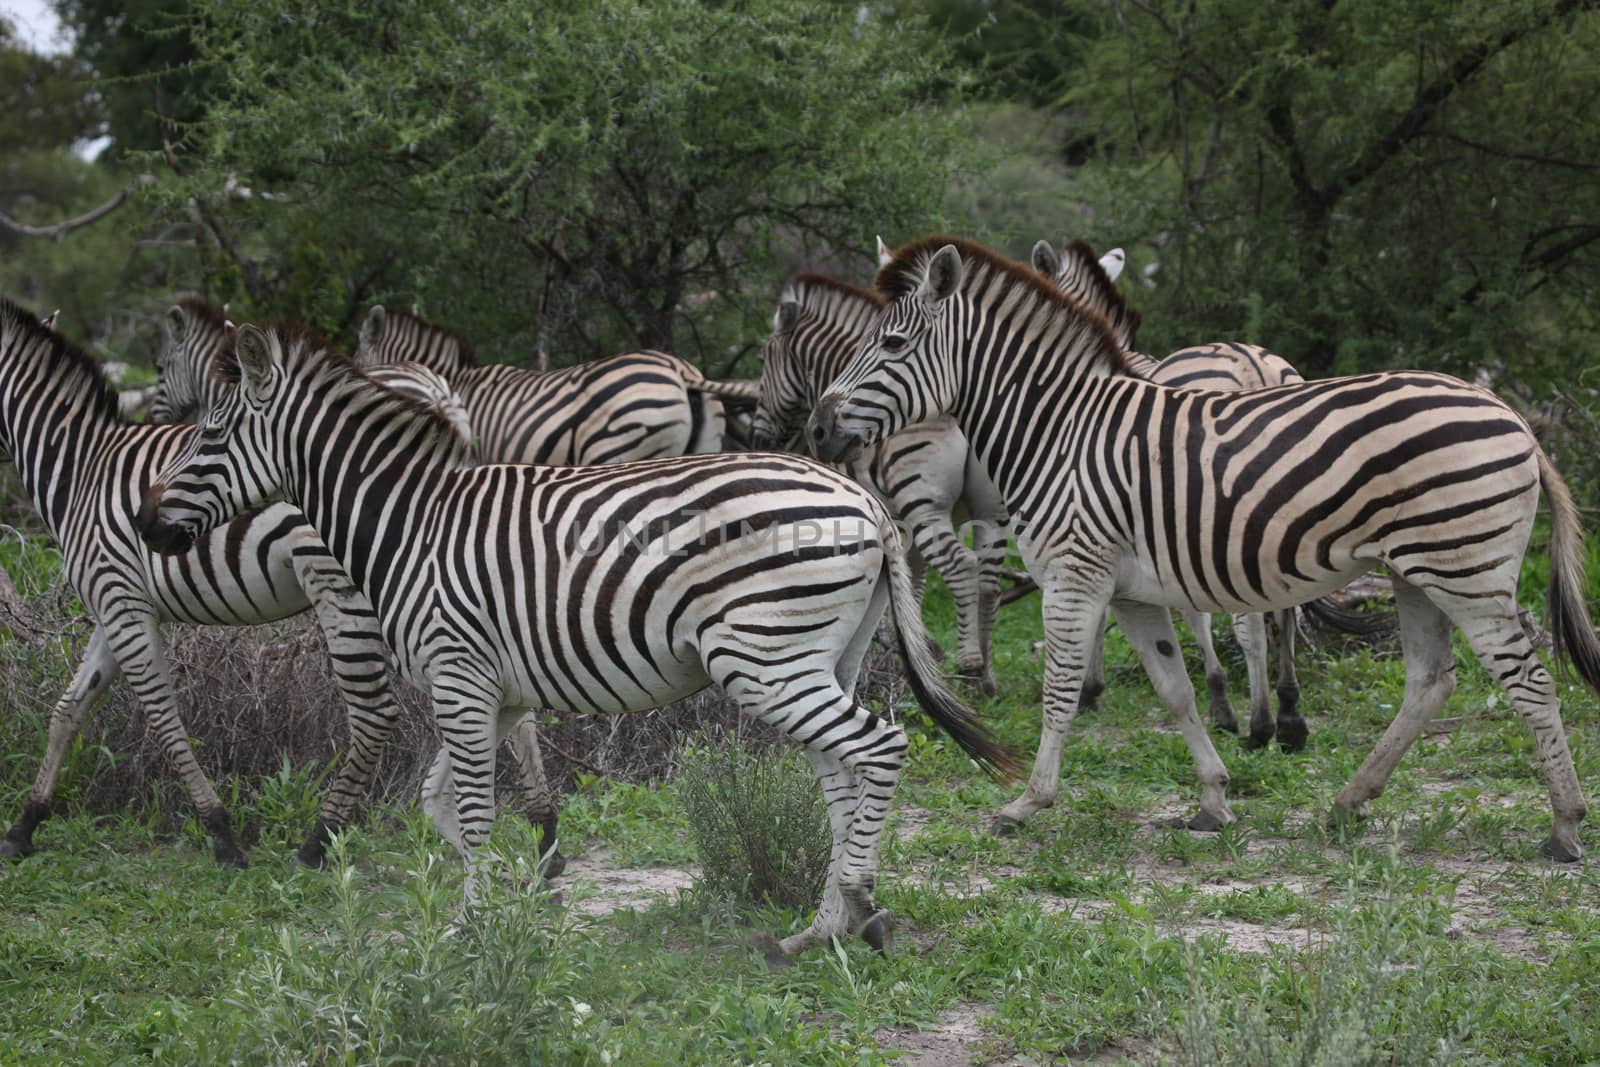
(164, 537)
(829, 441)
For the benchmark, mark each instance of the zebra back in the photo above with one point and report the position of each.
(394, 335)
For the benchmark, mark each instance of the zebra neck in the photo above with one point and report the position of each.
(1025, 400)
(365, 486)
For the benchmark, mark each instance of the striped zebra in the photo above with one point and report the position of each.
(925, 473)
(1223, 365)
(86, 471)
(583, 589)
(1146, 497)
(197, 333)
(198, 336)
(642, 405)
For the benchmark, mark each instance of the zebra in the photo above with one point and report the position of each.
(198, 336)
(583, 589)
(1147, 497)
(642, 405)
(197, 332)
(86, 470)
(1224, 365)
(925, 473)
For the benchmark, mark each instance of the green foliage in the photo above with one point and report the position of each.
(1360, 185)
(624, 170)
(759, 823)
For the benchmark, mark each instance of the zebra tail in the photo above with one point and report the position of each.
(1571, 628)
(927, 683)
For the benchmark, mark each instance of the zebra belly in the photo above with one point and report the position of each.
(1141, 581)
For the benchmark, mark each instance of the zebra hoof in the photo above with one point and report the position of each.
(229, 855)
(1089, 697)
(979, 679)
(1253, 741)
(1344, 817)
(879, 932)
(1292, 737)
(1562, 851)
(771, 952)
(1205, 822)
(553, 866)
(312, 859)
(16, 850)
(1005, 826)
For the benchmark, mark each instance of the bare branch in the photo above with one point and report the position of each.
(59, 230)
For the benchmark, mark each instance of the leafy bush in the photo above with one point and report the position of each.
(758, 820)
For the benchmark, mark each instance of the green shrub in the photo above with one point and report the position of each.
(758, 821)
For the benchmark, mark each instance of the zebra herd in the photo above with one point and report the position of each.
(579, 541)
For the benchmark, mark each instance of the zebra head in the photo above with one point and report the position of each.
(902, 372)
(1092, 282)
(230, 463)
(782, 407)
(195, 333)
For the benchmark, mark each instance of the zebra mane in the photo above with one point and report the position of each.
(822, 295)
(21, 326)
(204, 311)
(996, 279)
(1102, 293)
(469, 355)
(306, 353)
(290, 333)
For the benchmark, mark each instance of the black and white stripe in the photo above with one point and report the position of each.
(86, 471)
(582, 589)
(642, 405)
(925, 473)
(1148, 498)
(1225, 365)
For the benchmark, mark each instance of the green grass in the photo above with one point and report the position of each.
(1430, 933)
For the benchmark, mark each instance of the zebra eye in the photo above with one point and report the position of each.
(893, 342)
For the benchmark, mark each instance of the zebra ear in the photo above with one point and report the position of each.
(49, 321)
(1113, 262)
(942, 280)
(786, 318)
(1045, 260)
(372, 327)
(174, 322)
(255, 357)
(885, 253)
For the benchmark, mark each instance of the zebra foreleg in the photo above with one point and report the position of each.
(1073, 623)
(1149, 630)
(1251, 631)
(467, 706)
(1430, 679)
(138, 646)
(94, 676)
(1199, 623)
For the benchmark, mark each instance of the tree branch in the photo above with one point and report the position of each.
(59, 230)
(1432, 97)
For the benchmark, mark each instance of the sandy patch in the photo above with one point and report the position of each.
(595, 885)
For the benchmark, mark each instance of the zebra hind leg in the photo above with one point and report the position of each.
(523, 742)
(937, 541)
(1292, 727)
(1494, 630)
(1149, 630)
(360, 662)
(1430, 679)
(90, 681)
